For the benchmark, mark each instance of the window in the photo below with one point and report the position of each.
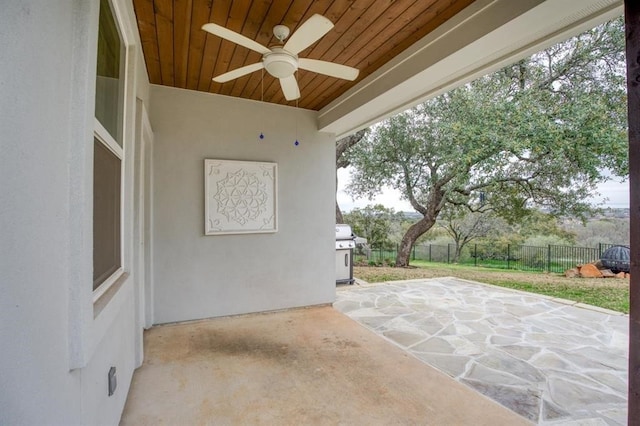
(108, 154)
(106, 213)
(109, 84)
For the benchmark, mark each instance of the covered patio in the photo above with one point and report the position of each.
(310, 366)
(402, 352)
(109, 115)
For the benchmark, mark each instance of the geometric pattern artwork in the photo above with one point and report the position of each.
(240, 197)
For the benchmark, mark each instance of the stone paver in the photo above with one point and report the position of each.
(553, 362)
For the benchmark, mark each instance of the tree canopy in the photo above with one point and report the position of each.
(374, 223)
(536, 134)
(464, 227)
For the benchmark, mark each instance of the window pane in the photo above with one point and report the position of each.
(106, 213)
(109, 87)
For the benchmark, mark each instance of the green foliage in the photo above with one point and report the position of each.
(595, 231)
(375, 223)
(464, 226)
(437, 233)
(539, 224)
(545, 240)
(534, 134)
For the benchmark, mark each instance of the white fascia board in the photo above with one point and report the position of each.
(487, 35)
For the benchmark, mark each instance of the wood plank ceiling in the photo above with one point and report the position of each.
(367, 34)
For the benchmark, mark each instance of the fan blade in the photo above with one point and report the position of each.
(234, 37)
(309, 32)
(290, 88)
(328, 68)
(238, 72)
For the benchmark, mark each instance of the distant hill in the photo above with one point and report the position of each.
(412, 215)
(609, 212)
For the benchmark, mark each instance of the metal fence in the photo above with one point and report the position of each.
(551, 258)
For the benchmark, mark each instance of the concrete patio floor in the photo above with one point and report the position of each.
(310, 366)
(552, 361)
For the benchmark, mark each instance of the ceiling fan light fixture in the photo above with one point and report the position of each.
(280, 64)
(281, 61)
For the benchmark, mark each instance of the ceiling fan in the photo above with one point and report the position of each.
(281, 61)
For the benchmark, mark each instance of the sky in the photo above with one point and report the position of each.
(615, 192)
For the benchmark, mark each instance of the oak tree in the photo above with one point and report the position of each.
(536, 134)
(342, 161)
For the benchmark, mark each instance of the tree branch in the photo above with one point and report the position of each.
(343, 145)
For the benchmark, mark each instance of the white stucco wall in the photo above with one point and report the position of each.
(55, 355)
(198, 276)
(36, 385)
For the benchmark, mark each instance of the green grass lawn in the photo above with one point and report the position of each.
(610, 293)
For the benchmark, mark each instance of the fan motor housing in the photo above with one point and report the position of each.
(279, 63)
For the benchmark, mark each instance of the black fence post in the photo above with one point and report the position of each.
(475, 254)
(508, 256)
(549, 258)
(414, 253)
(429, 252)
(448, 253)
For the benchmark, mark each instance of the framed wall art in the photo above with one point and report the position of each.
(240, 197)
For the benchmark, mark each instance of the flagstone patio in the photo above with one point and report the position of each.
(551, 361)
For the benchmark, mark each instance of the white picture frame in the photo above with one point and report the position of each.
(241, 197)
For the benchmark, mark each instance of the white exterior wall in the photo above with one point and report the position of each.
(36, 385)
(55, 354)
(198, 276)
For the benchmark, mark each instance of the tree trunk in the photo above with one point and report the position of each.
(339, 217)
(341, 161)
(456, 255)
(410, 237)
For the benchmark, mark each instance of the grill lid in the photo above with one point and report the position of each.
(343, 232)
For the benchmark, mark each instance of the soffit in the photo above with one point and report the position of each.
(367, 35)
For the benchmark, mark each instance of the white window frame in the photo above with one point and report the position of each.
(104, 137)
(108, 141)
